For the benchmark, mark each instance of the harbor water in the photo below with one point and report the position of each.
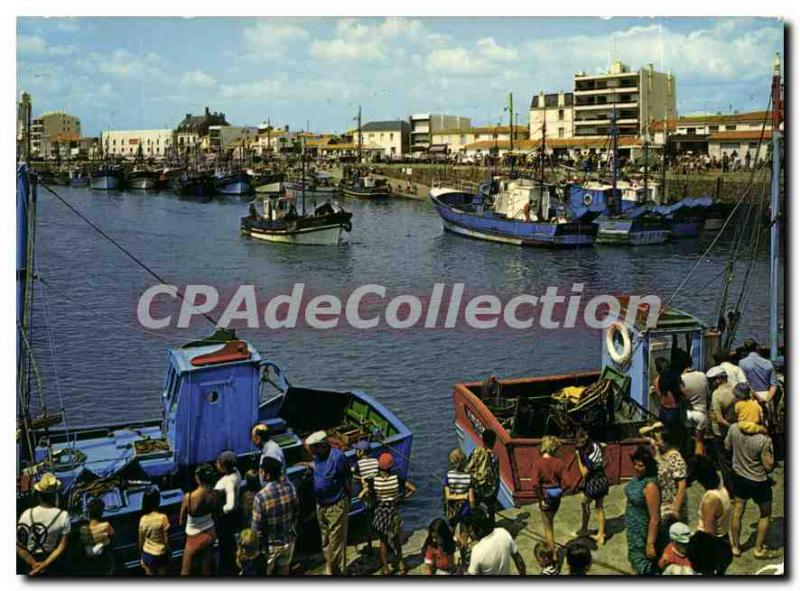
(109, 370)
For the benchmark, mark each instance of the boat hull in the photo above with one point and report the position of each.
(517, 232)
(686, 229)
(635, 232)
(105, 182)
(320, 230)
(366, 194)
(238, 184)
(143, 183)
(324, 235)
(79, 181)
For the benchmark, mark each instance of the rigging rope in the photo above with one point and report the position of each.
(125, 251)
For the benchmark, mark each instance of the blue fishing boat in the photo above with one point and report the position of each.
(193, 184)
(686, 217)
(215, 390)
(238, 183)
(107, 178)
(516, 214)
(143, 180)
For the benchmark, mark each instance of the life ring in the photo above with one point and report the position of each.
(347, 226)
(587, 199)
(617, 357)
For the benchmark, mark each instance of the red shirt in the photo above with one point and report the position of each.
(439, 559)
(671, 556)
(549, 472)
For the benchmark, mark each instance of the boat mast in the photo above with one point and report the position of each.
(541, 167)
(303, 169)
(359, 136)
(664, 162)
(646, 161)
(614, 157)
(511, 129)
(775, 206)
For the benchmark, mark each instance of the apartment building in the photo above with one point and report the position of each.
(552, 114)
(640, 98)
(464, 140)
(390, 136)
(50, 129)
(130, 144)
(422, 126)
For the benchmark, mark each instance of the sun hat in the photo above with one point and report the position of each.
(716, 372)
(316, 438)
(679, 532)
(48, 483)
(385, 461)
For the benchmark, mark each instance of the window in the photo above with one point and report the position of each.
(391, 136)
(561, 114)
(561, 132)
(713, 128)
(731, 128)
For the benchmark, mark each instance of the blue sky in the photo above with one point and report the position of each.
(134, 73)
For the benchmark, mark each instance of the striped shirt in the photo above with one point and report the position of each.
(459, 483)
(366, 468)
(154, 528)
(386, 488)
(593, 459)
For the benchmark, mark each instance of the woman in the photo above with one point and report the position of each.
(197, 513)
(714, 513)
(549, 479)
(667, 388)
(459, 496)
(595, 483)
(387, 488)
(642, 512)
(97, 537)
(153, 535)
(672, 472)
(439, 549)
(229, 518)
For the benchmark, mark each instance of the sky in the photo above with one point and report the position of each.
(146, 73)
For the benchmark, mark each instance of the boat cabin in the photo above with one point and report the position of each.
(523, 199)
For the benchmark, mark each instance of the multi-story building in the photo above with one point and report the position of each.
(422, 126)
(222, 138)
(194, 127)
(50, 129)
(464, 140)
(640, 97)
(390, 136)
(552, 114)
(145, 143)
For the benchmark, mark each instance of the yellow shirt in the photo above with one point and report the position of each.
(748, 411)
(154, 527)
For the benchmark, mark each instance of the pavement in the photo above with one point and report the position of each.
(525, 526)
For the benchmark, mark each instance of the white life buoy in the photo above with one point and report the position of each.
(587, 199)
(620, 358)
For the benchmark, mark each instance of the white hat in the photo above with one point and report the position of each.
(716, 372)
(316, 438)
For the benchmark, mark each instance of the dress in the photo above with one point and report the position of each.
(637, 518)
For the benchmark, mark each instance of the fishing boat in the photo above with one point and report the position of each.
(107, 178)
(237, 183)
(78, 178)
(519, 213)
(143, 180)
(686, 218)
(215, 390)
(279, 221)
(367, 187)
(194, 184)
(264, 182)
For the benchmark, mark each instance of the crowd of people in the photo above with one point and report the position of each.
(253, 519)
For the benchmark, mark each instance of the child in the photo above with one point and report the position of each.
(250, 486)
(439, 549)
(387, 488)
(749, 413)
(364, 470)
(546, 559)
(675, 552)
(96, 537)
(459, 496)
(250, 561)
(153, 535)
(579, 559)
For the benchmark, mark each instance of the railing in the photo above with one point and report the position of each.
(456, 184)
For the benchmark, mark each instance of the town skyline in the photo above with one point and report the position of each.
(135, 73)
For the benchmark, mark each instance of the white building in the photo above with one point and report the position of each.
(422, 126)
(222, 138)
(149, 143)
(390, 136)
(552, 113)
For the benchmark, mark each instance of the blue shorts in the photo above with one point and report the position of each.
(154, 560)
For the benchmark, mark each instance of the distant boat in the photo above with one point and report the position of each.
(78, 178)
(107, 178)
(519, 214)
(279, 221)
(264, 182)
(367, 187)
(143, 180)
(194, 185)
(686, 217)
(234, 184)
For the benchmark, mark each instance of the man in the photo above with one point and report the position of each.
(333, 488)
(733, 372)
(695, 389)
(483, 466)
(760, 375)
(275, 512)
(494, 550)
(260, 436)
(42, 531)
(753, 459)
(723, 415)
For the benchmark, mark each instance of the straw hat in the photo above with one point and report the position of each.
(48, 483)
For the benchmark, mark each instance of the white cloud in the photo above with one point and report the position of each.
(198, 78)
(272, 37)
(68, 25)
(258, 89)
(123, 64)
(485, 57)
(31, 45)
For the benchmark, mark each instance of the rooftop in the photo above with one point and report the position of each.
(398, 125)
(518, 129)
(749, 117)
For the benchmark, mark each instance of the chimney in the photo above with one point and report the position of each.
(286, 128)
(188, 115)
(207, 112)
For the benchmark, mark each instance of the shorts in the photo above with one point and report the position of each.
(762, 396)
(154, 560)
(549, 503)
(759, 491)
(698, 419)
(280, 556)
